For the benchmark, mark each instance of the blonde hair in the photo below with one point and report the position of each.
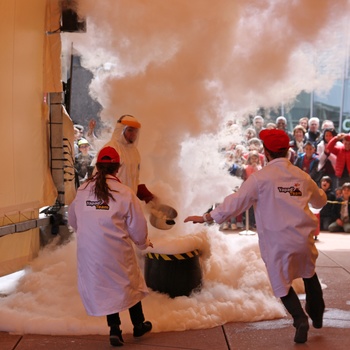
(253, 154)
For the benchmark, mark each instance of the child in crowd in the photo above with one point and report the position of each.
(341, 211)
(326, 214)
(236, 169)
(308, 160)
(253, 164)
(338, 192)
(255, 144)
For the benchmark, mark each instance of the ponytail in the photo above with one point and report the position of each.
(101, 189)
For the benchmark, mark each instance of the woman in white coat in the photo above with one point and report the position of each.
(280, 193)
(107, 218)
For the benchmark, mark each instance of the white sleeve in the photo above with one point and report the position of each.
(137, 224)
(72, 219)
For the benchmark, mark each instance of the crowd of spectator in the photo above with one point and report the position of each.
(320, 151)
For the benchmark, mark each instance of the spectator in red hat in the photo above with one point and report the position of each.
(280, 193)
(107, 217)
(342, 151)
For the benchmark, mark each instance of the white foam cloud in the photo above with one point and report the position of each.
(235, 288)
(183, 68)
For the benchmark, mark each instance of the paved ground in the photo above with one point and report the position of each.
(333, 270)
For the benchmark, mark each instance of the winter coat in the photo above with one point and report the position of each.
(337, 208)
(328, 209)
(338, 149)
(109, 277)
(313, 136)
(313, 168)
(280, 193)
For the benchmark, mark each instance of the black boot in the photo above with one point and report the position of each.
(115, 336)
(142, 328)
(138, 320)
(314, 305)
(300, 320)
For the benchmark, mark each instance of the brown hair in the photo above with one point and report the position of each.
(101, 189)
(252, 154)
(327, 178)
(299, 127)
(280, 154)
(346, 185)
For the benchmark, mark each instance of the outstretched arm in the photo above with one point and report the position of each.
(199, 219)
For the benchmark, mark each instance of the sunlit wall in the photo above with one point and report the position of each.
(25, 180)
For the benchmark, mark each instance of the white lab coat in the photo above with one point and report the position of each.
(280, 193)
(109, 277)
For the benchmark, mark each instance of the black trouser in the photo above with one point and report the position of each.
(325, 221)
(314, 297)
(292, 303)
(136, 316)
(314, 301)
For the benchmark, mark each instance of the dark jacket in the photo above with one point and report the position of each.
(312, 171)
(337, 208)
(313, 136)
(327, 210)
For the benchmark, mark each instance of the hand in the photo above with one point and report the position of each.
(195, 219)
(339, 222)
(92, 124)
(154, 202)
(341, 135)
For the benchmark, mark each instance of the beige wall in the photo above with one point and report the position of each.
(28, 62)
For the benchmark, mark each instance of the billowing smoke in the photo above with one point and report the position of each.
(184, 68)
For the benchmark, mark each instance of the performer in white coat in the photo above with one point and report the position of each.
(107, 217)
(280, 193)
(124, 140)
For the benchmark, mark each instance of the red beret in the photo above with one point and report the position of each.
(274, 140)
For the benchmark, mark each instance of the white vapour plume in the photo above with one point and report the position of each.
(183, 66)
(235, 288)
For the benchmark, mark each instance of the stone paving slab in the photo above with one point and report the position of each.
(333, 268)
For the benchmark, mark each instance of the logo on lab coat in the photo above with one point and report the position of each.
(99, 204)
(293, 191)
